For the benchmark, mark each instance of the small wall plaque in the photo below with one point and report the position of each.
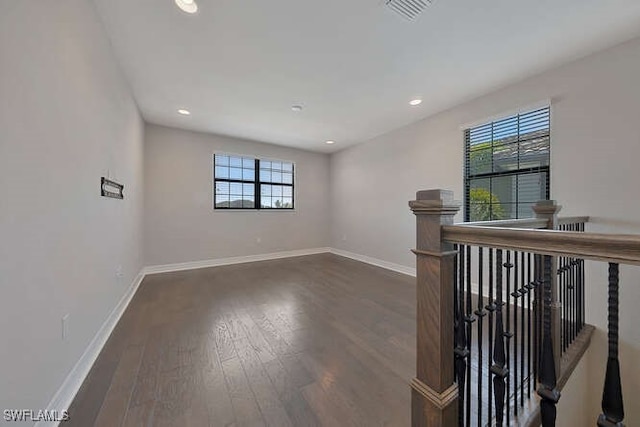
(111, 189)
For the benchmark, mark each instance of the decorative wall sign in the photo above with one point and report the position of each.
(111, 189)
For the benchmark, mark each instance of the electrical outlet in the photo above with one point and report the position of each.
(65, 327)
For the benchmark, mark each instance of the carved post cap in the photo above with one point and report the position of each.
(434, 202)
(546, 208)
(438, 194)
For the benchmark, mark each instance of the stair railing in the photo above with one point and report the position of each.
(500, 314)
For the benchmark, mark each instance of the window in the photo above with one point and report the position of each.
(507, 166)
(249, 183)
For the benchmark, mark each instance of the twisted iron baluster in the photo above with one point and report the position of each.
(612, 405)
(469, 318)
(461, 353)
(480, 313)
(491, 308)
(500, 372)
(547, 389)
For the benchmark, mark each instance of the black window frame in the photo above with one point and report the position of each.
(257, 184)
(544, 169)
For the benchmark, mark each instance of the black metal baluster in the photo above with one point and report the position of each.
(565, 303)
(460, 351)
(574, 300)
(498, 368)
(480, 314)
(491, 308)
(529, 287)
(612, 401)
(515, 294)
(582, 303)
(572, 296)
(508, 334)
(582, 308)
(536, 315)
(547, 389)
(468, 319)
(523, 292)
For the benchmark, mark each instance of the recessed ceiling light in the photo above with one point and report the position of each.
(296, 107)
(184, 112)
(189, 6)
(415, 102)
(330, 142)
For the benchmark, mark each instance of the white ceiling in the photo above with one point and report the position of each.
(239, 65)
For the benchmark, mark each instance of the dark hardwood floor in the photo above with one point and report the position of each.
(315, 340)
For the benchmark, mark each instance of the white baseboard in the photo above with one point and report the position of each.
(232, 260)
(409, 271)
(67, 391)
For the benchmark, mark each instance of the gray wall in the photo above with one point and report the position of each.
(66, 118)
(180, 223)
(595, 146)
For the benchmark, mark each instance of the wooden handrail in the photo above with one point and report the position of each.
(535, 223)
(617, 248)
(509, 223)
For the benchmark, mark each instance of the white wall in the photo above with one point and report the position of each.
(66, 118)
(180, 222)
(595, 148)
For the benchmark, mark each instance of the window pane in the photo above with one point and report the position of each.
(276, 203)
(287, 167)
(265, 202)
(276, 191)
(222, 172)
(248, 163)
(276, 177)
(276, 166)
(248, 202)
(222, 160)
(222, 201)
(235, 162)
(287, 202)
(505, 157)
(480, 199)
(534, 153)
(265, 176)
(532, 187)
(235, 201)
(287, 191)
(480, 161)
(504, 188)
(265, 190)
(235, 173)
(525, 210)
(247, 189)
(235, 188)
(222, 187)
(265, 164)
(287, 178)
(503, 211)
(248, 174)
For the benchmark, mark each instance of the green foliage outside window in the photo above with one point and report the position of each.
(484, 205)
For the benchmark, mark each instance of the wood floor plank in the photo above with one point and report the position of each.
(318, 340)
(116, 402)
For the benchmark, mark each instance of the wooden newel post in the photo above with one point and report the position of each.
(549, 209)
(434, 400)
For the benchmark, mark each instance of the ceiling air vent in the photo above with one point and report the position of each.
(409, 9)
